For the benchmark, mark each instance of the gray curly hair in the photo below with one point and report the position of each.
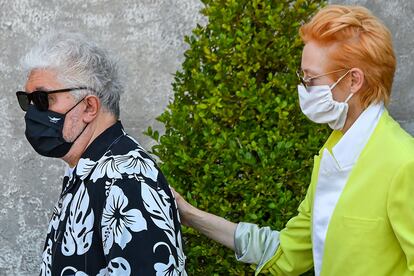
(78, 62)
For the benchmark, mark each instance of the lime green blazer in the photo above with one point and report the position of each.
(371, 231)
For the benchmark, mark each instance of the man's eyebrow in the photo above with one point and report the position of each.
(40, 88)
(37, 88)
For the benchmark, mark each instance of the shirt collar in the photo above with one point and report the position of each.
(103, 142)
(349, 147)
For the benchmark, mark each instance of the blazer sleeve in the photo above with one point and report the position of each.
(294, 254)
(400, 208)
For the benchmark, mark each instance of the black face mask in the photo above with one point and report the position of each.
(44, 131)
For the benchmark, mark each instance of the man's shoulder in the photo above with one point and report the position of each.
(126, 144)
(130, 160)
(126, 159)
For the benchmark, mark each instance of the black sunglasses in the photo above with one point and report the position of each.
(40, 98)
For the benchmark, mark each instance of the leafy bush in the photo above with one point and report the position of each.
(236, 143)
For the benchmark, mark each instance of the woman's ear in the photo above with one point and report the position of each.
(357, 80)
(93, 105)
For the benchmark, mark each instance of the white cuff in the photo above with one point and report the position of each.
(255, 245)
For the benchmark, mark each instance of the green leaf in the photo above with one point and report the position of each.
(236, 143)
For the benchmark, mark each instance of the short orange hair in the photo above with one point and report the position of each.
(359, 40)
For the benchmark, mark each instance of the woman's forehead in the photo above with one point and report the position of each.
(314, 58)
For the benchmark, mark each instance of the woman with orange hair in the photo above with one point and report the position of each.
(358, 215)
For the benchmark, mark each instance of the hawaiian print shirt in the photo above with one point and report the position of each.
(116, 215)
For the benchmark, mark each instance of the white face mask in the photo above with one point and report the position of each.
(319, 106)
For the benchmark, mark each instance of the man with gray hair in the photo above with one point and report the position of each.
(116, 214)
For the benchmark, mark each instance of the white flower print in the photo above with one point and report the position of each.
(180, 251)
(117, 223)
(157, 203)
(106, 166)
(116, 267)
(180, 255)
(168, 269)
(162, 269)
(108, 185)
(59, 212)
(119, 184)
(47, 260)
(66, 200)
(69, 270)
(84, 167)
(54, 222)
(113, 166)
(134, 163)
(79, 227)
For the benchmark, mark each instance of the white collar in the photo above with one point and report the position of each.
(348, 149)
(69, 171)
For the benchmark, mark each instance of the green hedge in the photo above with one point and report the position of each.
(236, 143)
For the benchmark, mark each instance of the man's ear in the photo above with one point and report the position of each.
(93, 106)
(357, 80)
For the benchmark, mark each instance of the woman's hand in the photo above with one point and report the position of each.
(185, 209)
(214, 227)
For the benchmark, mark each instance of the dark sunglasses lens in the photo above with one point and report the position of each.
(40, 100)
(23, 100)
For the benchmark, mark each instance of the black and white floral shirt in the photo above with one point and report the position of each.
(115, 216)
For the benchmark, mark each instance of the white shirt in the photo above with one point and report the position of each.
(334, 171)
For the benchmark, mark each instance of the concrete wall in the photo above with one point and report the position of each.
(148, 36)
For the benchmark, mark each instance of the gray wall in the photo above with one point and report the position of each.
(148, 36)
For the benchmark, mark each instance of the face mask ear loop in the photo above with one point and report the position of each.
(349, 97)
(80, 133)
(86, 124)
(74, 106)
(334, 85)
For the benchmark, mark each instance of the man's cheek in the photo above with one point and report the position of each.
(69, 128)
